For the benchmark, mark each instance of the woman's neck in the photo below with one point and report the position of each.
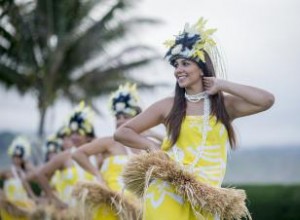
(194, 89)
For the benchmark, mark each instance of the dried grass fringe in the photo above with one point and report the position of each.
(42, 212)
(14, 210)
(92, 195)
(227, 203)
(51, 213)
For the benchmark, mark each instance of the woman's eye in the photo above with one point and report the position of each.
(185, 63)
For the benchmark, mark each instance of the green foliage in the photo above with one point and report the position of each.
(58, 49)
(36, 188)
(276, 202)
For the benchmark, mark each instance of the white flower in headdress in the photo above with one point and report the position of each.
(74, 126)
(53, 144)
(59, 141)
(120, 106)
(177, 49)
(186, 52)
(51, 148)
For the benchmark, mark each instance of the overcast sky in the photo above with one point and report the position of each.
(260, 41)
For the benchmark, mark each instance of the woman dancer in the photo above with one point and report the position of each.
(81, 131)
(124, 105)
(17, 199)
(198, 122)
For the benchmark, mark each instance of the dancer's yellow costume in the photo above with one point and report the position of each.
(161, 200)
(122, 101)
(189, 188)
(112, 169)
(16, 194)
(113, 166)
(13, 188)
(65, 181)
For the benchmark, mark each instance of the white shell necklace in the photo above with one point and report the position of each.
(196, 97)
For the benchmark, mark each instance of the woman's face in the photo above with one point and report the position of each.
(17, 161)
(187, 73)
(51, 155)
(122, 118)
(78, 139)
(67, 143)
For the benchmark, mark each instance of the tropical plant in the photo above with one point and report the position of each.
(76, 49)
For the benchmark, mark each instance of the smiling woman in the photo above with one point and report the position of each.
(183, 181)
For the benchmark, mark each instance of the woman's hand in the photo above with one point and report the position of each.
(240, 100)
(212, 85)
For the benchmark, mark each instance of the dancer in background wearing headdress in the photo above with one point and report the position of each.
(53, 146)
(123, 104)
(81, 131)
(63, 135)
(17, 199)
(183, 179)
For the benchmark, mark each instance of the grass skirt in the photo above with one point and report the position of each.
(228, 203)
(92, 195)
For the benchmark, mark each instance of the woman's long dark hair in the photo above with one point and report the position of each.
(178, 112)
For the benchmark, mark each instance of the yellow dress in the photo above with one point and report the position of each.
(209, 166)
(65, 180)
(16, 194)
(111, 170)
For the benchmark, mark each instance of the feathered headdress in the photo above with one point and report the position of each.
(124, 100)
(63, 131)
(20, 147)
(192, 43)
(81, 120)
(53, 144)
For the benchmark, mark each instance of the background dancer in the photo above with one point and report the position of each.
(124, 105)
(81, 131)
(53, 146)
(17, 198)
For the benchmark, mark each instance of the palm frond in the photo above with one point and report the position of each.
(47, 42)
(10, 77)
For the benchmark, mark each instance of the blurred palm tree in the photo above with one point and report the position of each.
(68, 48)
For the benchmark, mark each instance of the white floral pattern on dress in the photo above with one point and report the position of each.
(164, 189)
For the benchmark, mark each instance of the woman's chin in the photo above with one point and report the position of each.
(182, 84)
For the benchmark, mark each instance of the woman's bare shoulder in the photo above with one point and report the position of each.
(167, 100)
(163, 106)
(164, 103)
